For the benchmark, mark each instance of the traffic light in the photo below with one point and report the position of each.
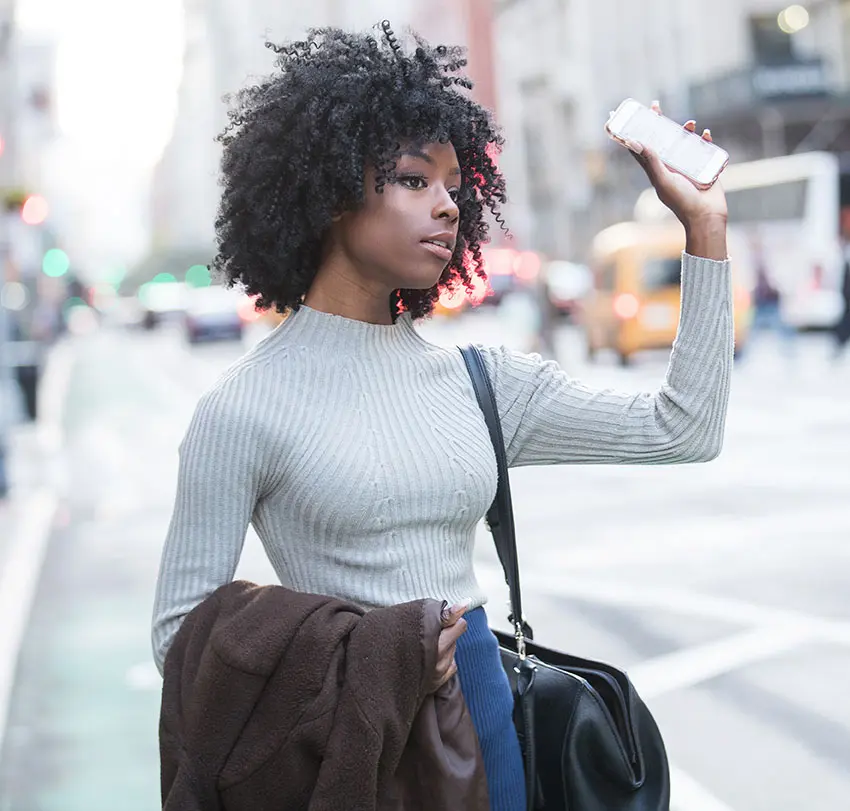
(55, 263)
(34, 210)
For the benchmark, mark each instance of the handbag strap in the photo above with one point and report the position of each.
(500, 519)
(500, 516)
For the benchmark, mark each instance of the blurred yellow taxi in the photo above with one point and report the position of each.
(634, 301)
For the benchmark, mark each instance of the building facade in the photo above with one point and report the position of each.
(552, 70)
(184, 187)
(225, 51)
(562, 65)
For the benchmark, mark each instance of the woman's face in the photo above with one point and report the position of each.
(394, 238)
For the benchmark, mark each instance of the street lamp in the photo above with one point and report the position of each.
(793, 19)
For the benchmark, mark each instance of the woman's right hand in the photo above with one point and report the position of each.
(454, 627)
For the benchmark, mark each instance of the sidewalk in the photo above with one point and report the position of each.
(26, 465)
(28, 511)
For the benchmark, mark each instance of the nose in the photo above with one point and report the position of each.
(446, 208)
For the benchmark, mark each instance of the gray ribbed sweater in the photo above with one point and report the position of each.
(359, 453)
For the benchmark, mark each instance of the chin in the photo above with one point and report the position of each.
(424, 280)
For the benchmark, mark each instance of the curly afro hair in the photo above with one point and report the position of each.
(296, 148)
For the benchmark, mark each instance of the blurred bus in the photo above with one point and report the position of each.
(786, 214)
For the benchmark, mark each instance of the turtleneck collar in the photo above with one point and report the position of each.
(310, 327)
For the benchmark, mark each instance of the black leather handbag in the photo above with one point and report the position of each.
(589, 743)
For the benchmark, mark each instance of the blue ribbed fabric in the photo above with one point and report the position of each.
(488, 695)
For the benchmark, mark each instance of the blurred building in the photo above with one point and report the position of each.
(35, 108)
(184, 189)
(767, 77)
(27, 130)
(225, 51)
(28, 316)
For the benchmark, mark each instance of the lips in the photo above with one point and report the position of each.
(441, 248)
(440, 251)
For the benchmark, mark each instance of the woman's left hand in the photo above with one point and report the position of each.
(689, 203)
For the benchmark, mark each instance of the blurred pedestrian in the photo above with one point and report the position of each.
(356, 183)
(768, 318)
(28, 362)
(841, 330)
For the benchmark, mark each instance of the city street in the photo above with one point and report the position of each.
(723, 588)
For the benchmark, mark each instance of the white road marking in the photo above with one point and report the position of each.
(688, 795)
(724, 609)
(776, 631)
(699, 663)
(18, 582)
(708, 540)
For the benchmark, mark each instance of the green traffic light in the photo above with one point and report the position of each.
(198, 276)
(55, 263)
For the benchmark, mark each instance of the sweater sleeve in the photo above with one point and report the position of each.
(549, 417)
(219, 483)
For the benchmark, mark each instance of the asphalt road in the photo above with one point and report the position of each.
(723, 588)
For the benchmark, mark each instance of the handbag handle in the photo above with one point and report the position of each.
(500, 516)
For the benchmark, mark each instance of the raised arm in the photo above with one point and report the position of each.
(219, 483)
(549, 417)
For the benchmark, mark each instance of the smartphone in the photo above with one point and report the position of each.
(688, 153)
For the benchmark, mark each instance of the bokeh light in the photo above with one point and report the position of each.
(198, 276)
(55, 263)
(14, 296)
(793, 19)
(35, 210)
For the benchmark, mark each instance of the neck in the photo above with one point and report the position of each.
(341, 291)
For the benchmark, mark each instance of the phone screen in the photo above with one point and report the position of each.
(673, 144)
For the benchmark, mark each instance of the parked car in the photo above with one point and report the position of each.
(567, 284)
(509, 271)
(215, 313)
(162, 303)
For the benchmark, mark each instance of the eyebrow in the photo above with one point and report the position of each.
(414, 152)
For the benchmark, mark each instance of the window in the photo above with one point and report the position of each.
(770, 44)
(659, 273)
(777, 202)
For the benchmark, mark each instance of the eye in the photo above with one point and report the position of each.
(455, 195)
(415, 182)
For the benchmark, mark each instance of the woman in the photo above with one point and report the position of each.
(355, 187)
